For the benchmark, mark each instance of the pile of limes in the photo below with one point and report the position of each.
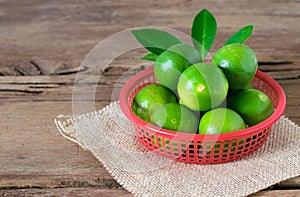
(196, 96)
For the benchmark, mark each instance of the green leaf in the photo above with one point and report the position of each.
(156, 41)
(204, 31)
(150, 57)
(241, 35)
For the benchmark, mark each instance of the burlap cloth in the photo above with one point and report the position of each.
(109, 136)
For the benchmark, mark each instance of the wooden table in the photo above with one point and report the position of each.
(42, 45)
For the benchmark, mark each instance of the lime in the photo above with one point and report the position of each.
(253, 105)
(221, 120)
(148, 96)
(202, 87)
(174, 116)
(238, 63)
(171, 63)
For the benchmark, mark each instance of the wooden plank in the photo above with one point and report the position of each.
(278, 193)
(53, 37)
(113, 72)
(116, 192)
(34, 155)
(74, 192)
(54, 84)
(290, 183)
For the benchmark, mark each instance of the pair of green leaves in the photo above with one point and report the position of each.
(203, 33)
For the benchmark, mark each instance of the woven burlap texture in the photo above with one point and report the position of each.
(110, 137)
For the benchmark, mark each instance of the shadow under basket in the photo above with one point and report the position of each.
(201, 148)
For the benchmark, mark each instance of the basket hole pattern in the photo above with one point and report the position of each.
(260, 85)
(201, 152)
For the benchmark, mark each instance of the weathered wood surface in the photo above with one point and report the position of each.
(42, 45)
(74, 192)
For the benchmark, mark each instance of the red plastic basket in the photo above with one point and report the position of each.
(201, 148)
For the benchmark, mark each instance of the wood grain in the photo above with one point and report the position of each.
(74, 192)
(42, 46)
(34, 154)
(278, 193)
(44, 37)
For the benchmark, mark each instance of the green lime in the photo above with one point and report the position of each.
(171, 63)
(150, 95)
(202, 87)
(221, 120)
(253, 105)
(238, 63)
(174, 116)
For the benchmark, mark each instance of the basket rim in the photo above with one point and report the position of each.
(279, 110)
